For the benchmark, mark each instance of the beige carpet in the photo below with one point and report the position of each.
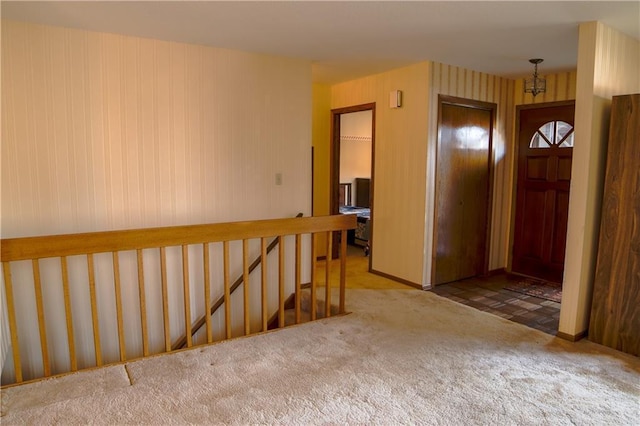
(401, 357)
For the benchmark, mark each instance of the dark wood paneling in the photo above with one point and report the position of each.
(615, 313)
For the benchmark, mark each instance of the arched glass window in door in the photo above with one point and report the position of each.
(553, 133)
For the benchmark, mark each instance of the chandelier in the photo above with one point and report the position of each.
(535, 84)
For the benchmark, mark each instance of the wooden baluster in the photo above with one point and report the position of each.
(165, 299)
(207, 291)
(68, 314)
(298, 278)
(116, 279)
(94, 310)
(314, 266)
(13, 326)
(227, 291)
(143, 305)
(343, 270)
(327, 299)
(37, 284)
(265, 313)
(187, 297)
(281, 282)
(245, 286)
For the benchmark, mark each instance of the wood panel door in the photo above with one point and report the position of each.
(463, 189)
(545, 150)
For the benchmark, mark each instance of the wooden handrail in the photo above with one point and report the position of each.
(28, 248)
(88, 278)
(197, 325)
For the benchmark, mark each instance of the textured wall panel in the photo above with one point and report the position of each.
(102, 132)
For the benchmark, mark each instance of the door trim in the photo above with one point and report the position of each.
(334, 167)
(468, 103)
(514, 174)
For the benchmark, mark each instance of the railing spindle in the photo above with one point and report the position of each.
(94, 310)
(314, 266)
(165, 299)
(327, 297)
(118, 291)
(13, 326)
(263, 282)
(69, 316)
(143, 304)
(187, 296)
(227, 291)
(281, 281)
(245, 286)
(343, 270)
(89, 244)
(37, 284)
(298, 277)
(207, 291)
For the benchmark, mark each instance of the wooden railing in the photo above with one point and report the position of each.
(33, 249)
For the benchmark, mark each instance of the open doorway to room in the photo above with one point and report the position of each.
(352, 174)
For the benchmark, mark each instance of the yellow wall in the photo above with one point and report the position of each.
(405, 156)
(460, 82)
(608, 64)
(102, 131)
(321, 124)
(399, 165)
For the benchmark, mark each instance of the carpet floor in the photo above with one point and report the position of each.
(400, 357)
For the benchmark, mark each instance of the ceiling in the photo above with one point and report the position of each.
(346, 40)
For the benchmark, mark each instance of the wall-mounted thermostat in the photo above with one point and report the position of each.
(395, 99)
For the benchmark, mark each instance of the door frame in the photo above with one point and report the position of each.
(334, 168)
(514, 174)
(468, 103)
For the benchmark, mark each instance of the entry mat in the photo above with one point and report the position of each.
(542, 289)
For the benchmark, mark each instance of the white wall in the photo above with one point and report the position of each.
(102, 132)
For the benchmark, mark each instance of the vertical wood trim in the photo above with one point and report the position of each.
(314, 274)
(263, 284)
(227, 291)
(68, 314)
(343, 270)
(118, 291)
(327, 292)
(298, 278)
(281, 274)
(143, 305)
(94, 310)
(37, 284)
(187, 296)
(207, 291)
(245, 286)
(13, 327)
(165, 299)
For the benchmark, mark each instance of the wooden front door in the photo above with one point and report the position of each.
(545, 149)
(462, 189)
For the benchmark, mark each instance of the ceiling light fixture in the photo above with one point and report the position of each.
(535, 84)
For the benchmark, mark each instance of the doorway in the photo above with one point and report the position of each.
(545, 151)
(352, 155)
(463, 189)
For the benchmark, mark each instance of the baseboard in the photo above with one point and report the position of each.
(400, 280)
(495, 272)
(572, 337)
